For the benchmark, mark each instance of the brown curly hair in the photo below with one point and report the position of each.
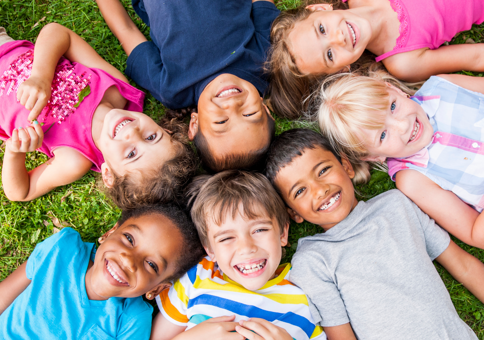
(289, 88)
(164, 184)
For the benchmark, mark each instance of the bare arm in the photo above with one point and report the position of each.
(465, 268)
(120, 24)
(422, 63)
(67, 166)
(475, 84)
(163, 329)
(342, 332)
(13, 286)
(448, 210)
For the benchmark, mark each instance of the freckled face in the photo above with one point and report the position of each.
(247, 251)
(132, 140)
(317, 187)
(232, 117)
(328, 41)
(406, 130)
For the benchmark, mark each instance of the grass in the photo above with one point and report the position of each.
(83, 207)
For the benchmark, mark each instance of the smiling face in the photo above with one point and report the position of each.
(231, 116)
(327, 41)
(132, 140)
(135, 258)
(406, 129)
(247, 251)
(317, 188)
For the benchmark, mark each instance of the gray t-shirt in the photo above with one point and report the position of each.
(374, 269)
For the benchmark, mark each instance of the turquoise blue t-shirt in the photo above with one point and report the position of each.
(55, 305)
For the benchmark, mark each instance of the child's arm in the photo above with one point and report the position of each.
(448, 210)
(13, 286)
(53, 42)
(465, 268)
(220, 328)
(66, 167)
(120, 24)
(422, 63)
(342, 332)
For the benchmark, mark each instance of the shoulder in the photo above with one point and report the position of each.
(66, 239)
(437, 85)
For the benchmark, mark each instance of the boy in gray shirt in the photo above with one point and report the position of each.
(370, 274)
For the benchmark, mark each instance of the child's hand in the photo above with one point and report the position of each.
(27, 139)
(220, 328)
(264, 330)
(34, 93)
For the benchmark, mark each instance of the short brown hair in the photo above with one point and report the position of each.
(217, 196)
(164, 184)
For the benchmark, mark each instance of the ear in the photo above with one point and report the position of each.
(107, 233)
(157, 290)
(379, 159)
(285, 235)
(348, 167)
(267, 110)
(295, 216)
(210, 253)
(193, 126)
(320, 7)
(107, 175)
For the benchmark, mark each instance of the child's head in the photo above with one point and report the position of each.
(146, 249)
(368, 118)
(242, 224)
(233, 127)
(314, 181)
(145, 163)
(301, 52)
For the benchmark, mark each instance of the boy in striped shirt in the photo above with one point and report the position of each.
(239, 291)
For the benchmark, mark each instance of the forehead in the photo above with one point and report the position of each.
(235, 216)
(301, 166)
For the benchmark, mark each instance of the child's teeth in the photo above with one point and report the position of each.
(227, 92)
(415, 130)
(120, 126)
(113, 274)
(331, 202)
(247, 269)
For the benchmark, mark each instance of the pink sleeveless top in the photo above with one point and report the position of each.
(430, 23)
(66, 122)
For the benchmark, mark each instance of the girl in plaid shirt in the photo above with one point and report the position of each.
(432, 141)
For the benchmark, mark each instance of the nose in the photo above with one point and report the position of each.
(337, 37)
(233, 103)
(320, 190)
(246, 246)
(400, 126)
(133, 133)
(127, 261)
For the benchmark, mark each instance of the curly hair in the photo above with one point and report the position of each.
(160, 185)
(289, 88)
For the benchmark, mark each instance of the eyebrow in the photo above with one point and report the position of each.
(250, 224)
(162, 259)
(313, 169)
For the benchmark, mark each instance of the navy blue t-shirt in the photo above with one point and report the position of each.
(193, 42)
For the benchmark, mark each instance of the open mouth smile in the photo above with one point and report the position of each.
(352, 33)
(416, 131)
(228, 91)
(329, 203)
(120, 125)
(250, 268)
(114, 274)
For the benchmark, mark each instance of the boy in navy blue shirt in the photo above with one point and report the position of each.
(210, 53)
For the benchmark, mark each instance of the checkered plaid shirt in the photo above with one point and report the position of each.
(456, 152)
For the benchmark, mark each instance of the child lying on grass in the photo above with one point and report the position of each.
(69, 290)
(370, 274)
(208, 53)
(240, 288)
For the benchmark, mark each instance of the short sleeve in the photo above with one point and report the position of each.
(436, 239)
(135, 323)
(173, 303)
(325, 302)
(263, 14)
(44, 249)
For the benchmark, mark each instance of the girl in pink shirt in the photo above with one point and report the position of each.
(82, 116)
(317, 40)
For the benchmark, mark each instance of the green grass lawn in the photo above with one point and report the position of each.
(83, 207)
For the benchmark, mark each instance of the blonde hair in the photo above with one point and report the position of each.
(347, 103)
